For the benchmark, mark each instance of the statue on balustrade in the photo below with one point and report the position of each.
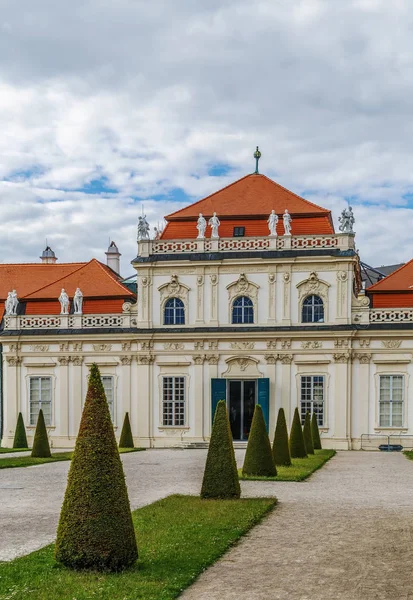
(78, 302)
(287, 222)
(272, 223)
(201, 225)
(11, 303)
(214, 223)
(143, 228)
(346, 220)
(64, 302)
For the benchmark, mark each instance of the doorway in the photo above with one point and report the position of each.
(242, 397)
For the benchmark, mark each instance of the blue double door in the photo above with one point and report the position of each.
(241, 396)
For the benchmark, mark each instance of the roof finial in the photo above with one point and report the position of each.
(257, 156)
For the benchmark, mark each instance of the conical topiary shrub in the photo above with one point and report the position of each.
(41, 448)
(221, 475)
(258, 457)
(297, 447)
(308, 438)
(280, 447)
(20, 439)
(315, 433)
(126, 439)
(95, 527)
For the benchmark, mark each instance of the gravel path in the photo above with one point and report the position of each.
(345, 534)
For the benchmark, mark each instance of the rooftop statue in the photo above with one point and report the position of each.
(214, 223)
(346, 220)
(201, 225)
(78, 302)
(11, 303)
(143, 228)
(287, 222)
(272, 223)
(64, 302)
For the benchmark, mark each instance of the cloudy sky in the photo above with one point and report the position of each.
(108, 104)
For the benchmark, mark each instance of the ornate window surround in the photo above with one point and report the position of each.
(174, 289)
(313, 286)
(242, 287)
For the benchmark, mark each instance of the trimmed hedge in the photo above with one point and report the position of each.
(41, 448)
(315, 433)
(126, 438)
(297, 446)
(20, 438)
(221, 475)
(95, 528)
(259, 460)
(308, 438)
(280, 447)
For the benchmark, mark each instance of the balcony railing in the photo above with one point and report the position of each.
(391, 315)
(101, 321)
(340, 241)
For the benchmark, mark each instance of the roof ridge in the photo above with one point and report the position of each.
(390, 275)
(57, 280)
(109, 272)
(293, 193)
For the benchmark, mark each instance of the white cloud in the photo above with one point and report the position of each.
(150, 95)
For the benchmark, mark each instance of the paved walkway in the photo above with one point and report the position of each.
(345, 534)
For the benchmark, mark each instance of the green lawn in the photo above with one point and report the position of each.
(5, 450)
(10, 462)
(299, 470)
(178, 537)
(408, 454)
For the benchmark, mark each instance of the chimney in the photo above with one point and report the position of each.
(48, 257)
(113, 258)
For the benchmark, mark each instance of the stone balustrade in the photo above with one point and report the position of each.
(101, 321)
(391, 315)
(339, 241)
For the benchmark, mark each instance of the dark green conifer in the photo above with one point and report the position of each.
(221, 475)
(259, 460)
(41, 448)
(308, 438)
(280, 447)
(315, 433)
(20, 439)
(297, 446)
(95, 527)
(126, 438)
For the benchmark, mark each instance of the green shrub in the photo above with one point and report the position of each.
(315, 433)
(297, 446)
(41, 448)
(308, 438)
(258, 457)
(126, 439)
(20, 439)
(280, 447)
(221, 475)
(95, 528)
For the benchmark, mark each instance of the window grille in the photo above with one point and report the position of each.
(109, 387)
(391, 400)
(312, 397)
(313, 310)
(242, 310)
(40, 398)
(173, 402)
(174, 312)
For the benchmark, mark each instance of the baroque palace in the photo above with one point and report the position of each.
(248, 295)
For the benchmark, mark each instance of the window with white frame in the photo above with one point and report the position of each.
(109, 387)
(173, 401)
(312, 310)
(312, 397)
(40, 397)
(391, 400)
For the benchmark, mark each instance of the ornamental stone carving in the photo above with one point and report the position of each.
(272, 223)
(173, 289)
(126, 360)
(77, 346)
(102, 347)
(199, 345)
(243, 287)
(213, 344)
(360, 302)
(126, 346)
(201, 225)
(14, 361)
(242, 345)
(242, 365)
(14, 347)
(341, 343)
(286, 359)
(270, 358)
(391, 344)
(341, 357)
(77, 361)
(64, 347)
(64, 360)
(311, 345)
(271, 277)
(146, 359)
(39, 348)
(64, 302)
(11, 303)
(148, 345)
(271, 344)
(363, 358)
(286, 344)
(173, 346)
(199, 359)
(78, 302)
(364, 343)
(313, 285)
(213, 359)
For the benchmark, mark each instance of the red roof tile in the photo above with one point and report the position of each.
(399, 280)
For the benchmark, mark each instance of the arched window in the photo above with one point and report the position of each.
(313, 310)
(242, 310)
(174, 312)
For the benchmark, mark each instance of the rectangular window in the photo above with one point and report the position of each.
(391, 400)
(109, 387)
(40, 393)
(239, 232)
(173, 401)
(312, 397)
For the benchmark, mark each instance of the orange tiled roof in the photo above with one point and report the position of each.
(400, 280)
(247, 203)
